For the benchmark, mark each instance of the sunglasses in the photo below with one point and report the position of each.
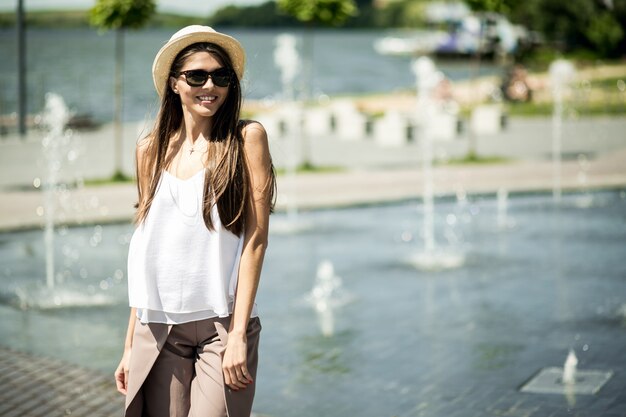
(197, 78)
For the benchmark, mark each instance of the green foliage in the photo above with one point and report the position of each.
(473, 158)
(269, 15)
(499, 6)
(52, 19)
(262, 15)
(117, 178)
(226, 16)
(530, 109)
(121, 14)
(171, 20)
(325, 12)
(568, 25)
(402, 14)
(309, 168)
(539, 60)
(80, 19)
(613, 105)
(604, 32)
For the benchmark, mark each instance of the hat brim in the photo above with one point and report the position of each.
(166, 55)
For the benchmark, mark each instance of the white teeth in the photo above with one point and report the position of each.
(207, 98)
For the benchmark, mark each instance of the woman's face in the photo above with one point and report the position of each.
(204, 100)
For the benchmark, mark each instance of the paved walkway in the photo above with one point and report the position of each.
(34, 386)
(112, 203)
(594, 150)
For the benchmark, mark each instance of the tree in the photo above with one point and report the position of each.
(403, 14)
(256, 15)
(597, 25)
(120, 15)
(325, 12)
(499, 6)
(315, 12)
(604, 32)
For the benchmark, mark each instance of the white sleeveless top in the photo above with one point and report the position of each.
(179, 270)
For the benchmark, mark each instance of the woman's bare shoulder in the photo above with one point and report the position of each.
(255, 142)
(252, 129)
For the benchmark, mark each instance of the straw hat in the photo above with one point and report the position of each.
(188, 36)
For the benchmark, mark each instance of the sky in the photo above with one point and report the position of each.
(191, 7)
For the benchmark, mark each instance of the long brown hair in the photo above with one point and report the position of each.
(227, 177)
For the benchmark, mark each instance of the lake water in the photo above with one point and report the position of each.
(79, 65)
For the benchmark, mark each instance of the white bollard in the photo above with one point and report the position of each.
(444, 125)
(391, 130)
(350, 124)
(318, 121)
(486, 119)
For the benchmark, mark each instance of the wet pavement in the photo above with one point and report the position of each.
(409, 342)
(39, 386)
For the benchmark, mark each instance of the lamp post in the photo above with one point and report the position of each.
(21, 68)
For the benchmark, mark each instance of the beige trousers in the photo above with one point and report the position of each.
(176, 370)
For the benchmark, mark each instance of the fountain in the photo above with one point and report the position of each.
(432, 257)
(585, 200)
(326, 296)
(55, 117)
(569, 368)
(562, 73)
(287, 59)
(67, 277)
(568, 380)
(504, 221)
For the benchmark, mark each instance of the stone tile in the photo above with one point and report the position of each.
(33, 386)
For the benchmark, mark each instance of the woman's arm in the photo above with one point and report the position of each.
(258, 159)
(121, 373)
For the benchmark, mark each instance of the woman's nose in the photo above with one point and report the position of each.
(208, 83)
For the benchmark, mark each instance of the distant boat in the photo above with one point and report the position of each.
(419, 43)
(486, 34)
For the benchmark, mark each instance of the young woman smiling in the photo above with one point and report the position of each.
(206, 188)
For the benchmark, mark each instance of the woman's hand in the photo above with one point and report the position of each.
(234, 363)
(121, 373)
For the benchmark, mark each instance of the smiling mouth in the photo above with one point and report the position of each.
(207, 98)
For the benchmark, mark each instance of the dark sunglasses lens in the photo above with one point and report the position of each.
(196, 78)
(221, 77)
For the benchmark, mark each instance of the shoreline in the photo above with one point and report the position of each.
(107, 204)
(619, 186)
(475, 91)
(467, 93)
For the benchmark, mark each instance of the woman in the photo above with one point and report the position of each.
(206, 188)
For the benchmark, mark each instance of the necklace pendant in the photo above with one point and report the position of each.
(190, 151)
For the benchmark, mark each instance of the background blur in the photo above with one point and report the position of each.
(451, 219)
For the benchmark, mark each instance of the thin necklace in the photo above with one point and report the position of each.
(191, 150)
